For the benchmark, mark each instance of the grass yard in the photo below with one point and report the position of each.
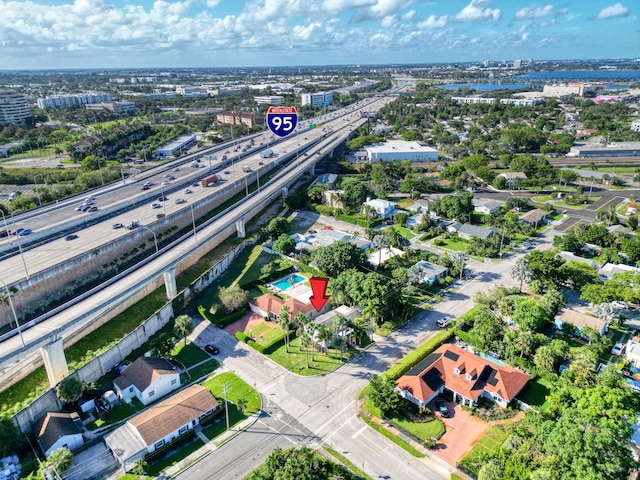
(156, 468)
(385, 433)
(490, 442)
(535, 393)
(458, 245)
(423, 431)
(236, 388)
(116, 414)
(405, 232)
(204, 369)
(296, 360)
(188, 355)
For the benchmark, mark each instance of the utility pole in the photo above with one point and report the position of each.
(226, 404)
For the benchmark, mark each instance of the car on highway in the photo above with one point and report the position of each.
(24, 232)
(160, 215)
(17, 232)
(156, 205)
(166, 175)
(73, 236)
(188, 191)
(177, 169)
(145, 187)
(180, 200)
(195, 184)
(79, 208)
(92, 208)
(117, 225)
(227, 172)
(162, 198)
(211, 349)
(147, 183)
(165, 183)
(442, 407)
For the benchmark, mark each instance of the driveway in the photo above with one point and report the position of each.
(463, 431)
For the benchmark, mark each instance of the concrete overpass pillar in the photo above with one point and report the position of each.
(170, 283)
(55, 362)
(285, 192)
(240, 228)
(312, 170)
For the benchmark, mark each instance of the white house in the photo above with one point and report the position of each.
(160, 425)
(430, 272)
(485, 205)
(513, 178)
(147, 379)
(380, 256)
(632, 351)
(383, 208)
(56, 430)
(468, 231)
(570, 257)
(608, 270)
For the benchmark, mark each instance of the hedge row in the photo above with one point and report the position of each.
(222, 321)
(419, 354)
(268, 348)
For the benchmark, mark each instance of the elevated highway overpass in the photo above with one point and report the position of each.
(47, 337)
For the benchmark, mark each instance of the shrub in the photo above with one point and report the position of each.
(419, 354)
(242, 337)
(438, 242)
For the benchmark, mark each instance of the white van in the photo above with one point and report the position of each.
(443, 322)
(246, 168)
(13, 196)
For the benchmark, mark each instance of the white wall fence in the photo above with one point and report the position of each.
(101, 364)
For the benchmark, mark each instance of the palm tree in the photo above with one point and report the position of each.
(378, 243)
(183, 326)
(324, 335)
(242, 404)
(459, 259)
(283, 323)
(520, 271)
(339, 342)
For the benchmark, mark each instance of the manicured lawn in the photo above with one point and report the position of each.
(580, 206)
(269, 336)
(457, 245)
(155, 469)
(116, 414)
(534, 393)
(490, 442)
(385, 433)
(236, 388)
(405, 232)
(423, 431)
(258, 330)
(204, 369)
(296, 360)
(188, 355)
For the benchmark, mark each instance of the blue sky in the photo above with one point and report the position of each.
(231, 33)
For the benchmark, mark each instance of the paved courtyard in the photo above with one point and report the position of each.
(463, 432)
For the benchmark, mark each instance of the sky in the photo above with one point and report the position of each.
(50, 34)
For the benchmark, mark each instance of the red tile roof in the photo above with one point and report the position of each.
(484, 376)
(272, 304)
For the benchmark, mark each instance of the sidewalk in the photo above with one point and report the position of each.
(209, 447)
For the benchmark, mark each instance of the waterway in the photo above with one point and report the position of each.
(536, 79)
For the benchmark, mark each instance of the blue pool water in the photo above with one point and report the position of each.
(491, 359)
(289, 281)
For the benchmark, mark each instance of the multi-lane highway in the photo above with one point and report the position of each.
(14, 357)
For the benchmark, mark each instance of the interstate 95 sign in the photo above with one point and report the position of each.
(282, 120)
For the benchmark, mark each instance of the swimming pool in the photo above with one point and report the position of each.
(288, 281)
(491, 359)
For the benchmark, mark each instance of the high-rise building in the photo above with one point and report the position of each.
(517, 64)
(270, 100)
(14, 108)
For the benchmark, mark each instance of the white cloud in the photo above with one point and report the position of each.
(433, 22)
(531, 12)
(478, 10)
(409, 15)
(380, 9)
(614, 11)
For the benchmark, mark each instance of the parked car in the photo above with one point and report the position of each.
(211, 349)
(24, 232)
(156, 205)
(73, 236)
(442, 407)
(120, 368)
(117, 225)
(617, 349)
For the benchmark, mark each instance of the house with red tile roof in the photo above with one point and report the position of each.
(269, 305)
(466, 375)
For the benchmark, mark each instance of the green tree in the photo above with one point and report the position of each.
(11, 440)
(163, 345)
(277, 226)
(233, 297)
(490, 471)
(520, 271)
(301, 463)
(284, 244)
(383, 395)
(338, 257)
(578, 274)
(529, 314)
(284, 324)
(60, 460)
(182, 327)
(140, 467)
(69, 389)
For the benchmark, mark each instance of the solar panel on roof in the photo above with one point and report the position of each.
(433, 379)
(451, 355)
(493, 381)
(423, 365)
